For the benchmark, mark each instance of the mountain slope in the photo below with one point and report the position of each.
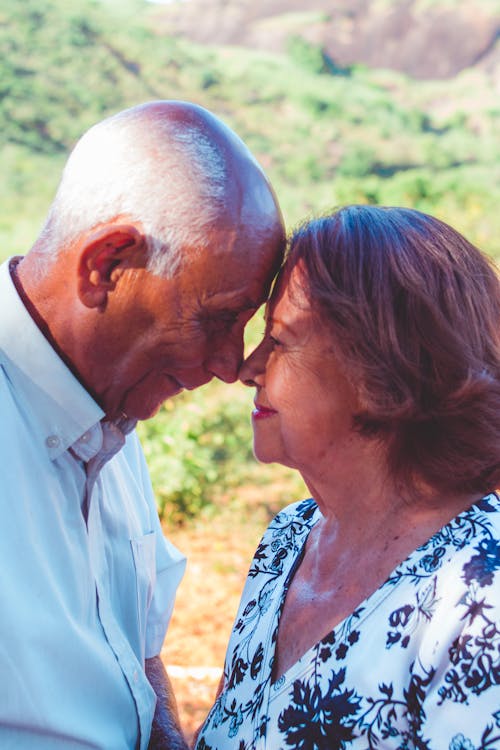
(326, 133)
(422, 38)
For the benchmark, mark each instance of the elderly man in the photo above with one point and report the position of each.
(162, 241)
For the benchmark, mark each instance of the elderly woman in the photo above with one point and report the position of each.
(371, 613)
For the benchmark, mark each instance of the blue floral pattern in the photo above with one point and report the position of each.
(415, 667)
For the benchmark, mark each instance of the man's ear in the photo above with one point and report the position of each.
(105, 254)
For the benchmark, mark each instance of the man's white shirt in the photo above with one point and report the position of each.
(87, 579)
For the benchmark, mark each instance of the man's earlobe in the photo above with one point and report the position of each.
(105, 254)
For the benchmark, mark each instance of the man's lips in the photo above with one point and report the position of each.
(262, 412)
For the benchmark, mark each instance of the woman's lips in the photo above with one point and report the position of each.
(262, 412)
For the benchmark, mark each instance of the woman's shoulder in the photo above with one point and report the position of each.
(477, 524)
(287, 532)
(489, 506)
(480, 529)
(300, 513)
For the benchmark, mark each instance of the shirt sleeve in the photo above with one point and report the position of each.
(461, 708)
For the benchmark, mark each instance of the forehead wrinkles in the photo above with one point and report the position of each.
(239, 279)
(295, 323)
(238, 298)
(291, 285)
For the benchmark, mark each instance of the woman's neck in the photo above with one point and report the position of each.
(363, 508)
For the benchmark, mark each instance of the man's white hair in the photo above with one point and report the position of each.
(141, 166)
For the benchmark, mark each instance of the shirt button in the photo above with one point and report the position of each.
(52, 441)
(85, 437)
(136, 676)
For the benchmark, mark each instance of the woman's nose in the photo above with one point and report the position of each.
(253, 367)
(246, 374)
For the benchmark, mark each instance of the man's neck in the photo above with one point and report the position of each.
(42, 324)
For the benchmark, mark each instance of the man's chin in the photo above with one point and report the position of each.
(142, 415)
(145, 408)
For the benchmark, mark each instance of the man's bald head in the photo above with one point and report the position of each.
(173, 169)
(162, 241)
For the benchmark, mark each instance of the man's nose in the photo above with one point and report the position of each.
(224, 362)
(246, 374)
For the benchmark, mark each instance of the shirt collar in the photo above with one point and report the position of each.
(64, 409)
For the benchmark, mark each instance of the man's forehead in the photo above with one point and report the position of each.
(229, 302)
(245, 290)
(233, 280)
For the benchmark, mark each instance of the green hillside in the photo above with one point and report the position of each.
(325, 135)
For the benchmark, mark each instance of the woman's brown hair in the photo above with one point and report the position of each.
(415, 311)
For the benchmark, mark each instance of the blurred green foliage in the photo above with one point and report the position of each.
(325, 135)
(199, 453)
(192, 447)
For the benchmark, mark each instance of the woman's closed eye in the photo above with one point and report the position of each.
(275, 341)
(271, 338)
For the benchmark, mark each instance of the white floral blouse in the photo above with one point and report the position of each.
(415, 666)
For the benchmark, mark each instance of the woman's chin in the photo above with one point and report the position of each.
(266, 456)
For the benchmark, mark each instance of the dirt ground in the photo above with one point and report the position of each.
(219, 553)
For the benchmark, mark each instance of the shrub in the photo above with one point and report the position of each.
(196, 447)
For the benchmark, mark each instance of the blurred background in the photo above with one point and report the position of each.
(347, 101)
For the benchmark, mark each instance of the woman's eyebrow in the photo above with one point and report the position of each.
(271, 320)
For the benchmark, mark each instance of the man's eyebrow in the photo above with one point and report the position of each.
(231, 309)
(244, 307)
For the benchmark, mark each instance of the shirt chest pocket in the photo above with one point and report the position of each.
(144, 556)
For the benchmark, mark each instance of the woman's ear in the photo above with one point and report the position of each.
(104, 255)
